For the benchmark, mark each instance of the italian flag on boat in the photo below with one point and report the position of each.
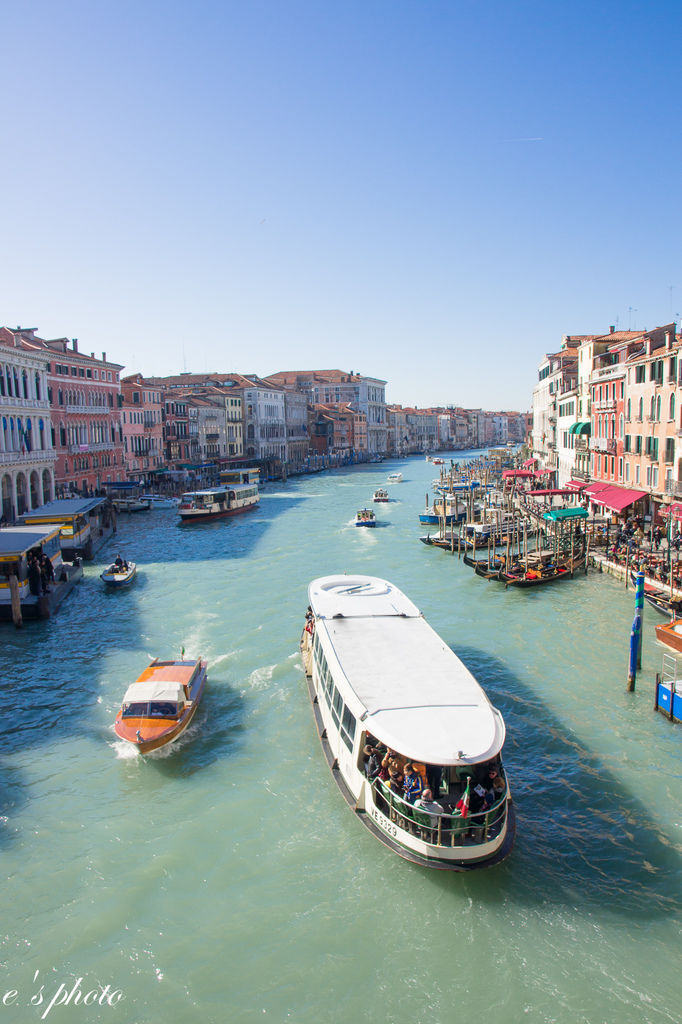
(462, 804)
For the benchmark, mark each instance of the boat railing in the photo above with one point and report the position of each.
(441, 829)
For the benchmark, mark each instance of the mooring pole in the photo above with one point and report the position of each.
(636, 633)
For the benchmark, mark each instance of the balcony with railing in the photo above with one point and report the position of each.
(21, 458)
(83, 449)
(88, 410)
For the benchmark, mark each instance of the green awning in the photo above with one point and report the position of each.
(559, 514)
(581, 427)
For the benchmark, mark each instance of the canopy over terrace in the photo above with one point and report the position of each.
(615, 499)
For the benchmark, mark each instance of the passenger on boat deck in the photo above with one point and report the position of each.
(413, 786)
(434, 774)
(421, 771)
(119, 563)
(395, 780)
(372, 762)
(478, 799)
(494, 784)
(427, 803)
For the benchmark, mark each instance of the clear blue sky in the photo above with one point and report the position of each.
(428, 191)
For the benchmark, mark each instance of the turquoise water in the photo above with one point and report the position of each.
(226, 880)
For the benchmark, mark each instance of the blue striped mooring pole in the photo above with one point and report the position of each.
(636, 632)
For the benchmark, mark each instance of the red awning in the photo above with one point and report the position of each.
(618, 498)
(575, 485)
(543, 472)
(516, 472)
(596, 487)
(528, 463)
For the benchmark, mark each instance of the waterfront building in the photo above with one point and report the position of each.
(142, 426)
(27, 455)
(175, 431)
(335, 387)
(422, 430)
(651, 456)
(265, 432)
(338, 429)
(566, 437)
(557, 376)
(297, 432)
(85, 399)
(397, 439)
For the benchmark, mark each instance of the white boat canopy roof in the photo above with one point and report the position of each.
(151, 689)
(419, 698)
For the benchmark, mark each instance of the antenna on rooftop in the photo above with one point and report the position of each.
(631, 310)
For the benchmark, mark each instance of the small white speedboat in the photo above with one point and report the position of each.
(119, 574)
(395, 478)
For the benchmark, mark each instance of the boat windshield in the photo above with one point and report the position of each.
(163, 709)
(137, 709)
(150, 709)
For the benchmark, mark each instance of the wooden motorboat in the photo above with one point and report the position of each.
(119, 574)
(659, 598)
(160, 704)
(365, 517)
(670, 634)
(381, 494)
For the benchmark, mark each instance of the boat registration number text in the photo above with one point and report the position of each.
(383, 822)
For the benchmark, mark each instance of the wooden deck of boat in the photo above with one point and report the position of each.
(169, 672)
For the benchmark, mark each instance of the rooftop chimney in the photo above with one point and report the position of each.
(104, 357)
(92, 355)
(612, 329)
(74, 342)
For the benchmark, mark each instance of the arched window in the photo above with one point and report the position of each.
(2, 381)
(652, 408)
(629, 408)
(641, 409)
(620, 432)
(613, 426)
(37, 385)
(671, 415)
(24, 381)
(658, 409)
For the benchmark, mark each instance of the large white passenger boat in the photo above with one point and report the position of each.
(387, 690)
(215, 502)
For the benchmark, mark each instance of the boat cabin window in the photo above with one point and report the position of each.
(348, 728)
(337, 706)
(163, 709)
(136, 709)
(151, 709)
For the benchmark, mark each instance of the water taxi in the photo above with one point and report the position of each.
(383, 684)
(215, 502)
(365, 517)
(119, 574)
(449, 507)
(159, 706)
(395, 478)
(126, 497)
(670, 634)
(160, 500)
(381, 494)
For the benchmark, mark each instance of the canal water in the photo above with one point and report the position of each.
(227, 881)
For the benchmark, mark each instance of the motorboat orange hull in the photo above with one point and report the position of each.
(147, 734)
(668, 634)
